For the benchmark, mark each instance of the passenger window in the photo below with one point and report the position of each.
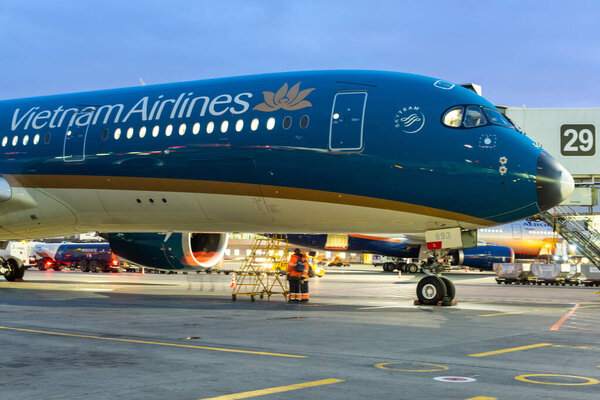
(254, 124)
(210, 127)
(169, 130)
(25, 140)
(47, 138)
(453, 117)
(129, 133)
(287, 122)
(36, 139)
(473, 117)
(117, 133)
(155, 131)
(239, 125)
(182, 128)
(4, 141)
(224, 126)
(15, 140)
(196, 128)
(271, 123)
(142, 131)
(104, 134)
(304, 122)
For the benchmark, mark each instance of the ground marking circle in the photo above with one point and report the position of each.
(454, 379)
(414, 364)
(588, 381)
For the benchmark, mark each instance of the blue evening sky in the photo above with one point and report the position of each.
(537, 53)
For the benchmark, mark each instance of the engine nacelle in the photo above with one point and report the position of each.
(175, 251)
(483, 257)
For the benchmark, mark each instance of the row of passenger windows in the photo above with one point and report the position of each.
(25, 141)
(181, 130)
(210, 127)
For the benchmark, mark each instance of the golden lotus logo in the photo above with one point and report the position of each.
(292, 99)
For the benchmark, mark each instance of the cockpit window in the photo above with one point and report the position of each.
(453, 117)
(474, 117)
(496, 118)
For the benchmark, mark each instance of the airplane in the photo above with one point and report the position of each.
(498, 244)
(314, 151)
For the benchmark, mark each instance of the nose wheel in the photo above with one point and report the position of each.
(434, 290)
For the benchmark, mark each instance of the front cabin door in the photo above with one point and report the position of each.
(76, 136)
(347, 121)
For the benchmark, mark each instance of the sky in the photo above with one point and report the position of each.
(533, 53)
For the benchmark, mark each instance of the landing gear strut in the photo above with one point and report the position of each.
(11, 269)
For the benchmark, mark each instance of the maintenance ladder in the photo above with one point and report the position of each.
(576, 229)
(257, 276)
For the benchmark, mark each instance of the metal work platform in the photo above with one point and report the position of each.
(258, 275)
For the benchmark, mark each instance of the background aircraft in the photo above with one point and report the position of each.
(321, 151)
(521, 239)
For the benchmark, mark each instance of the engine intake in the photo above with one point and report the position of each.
(175, 251)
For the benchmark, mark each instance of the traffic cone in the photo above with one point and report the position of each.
(399, 273)
(232, 285)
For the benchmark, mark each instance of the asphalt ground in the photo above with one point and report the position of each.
(71, 335)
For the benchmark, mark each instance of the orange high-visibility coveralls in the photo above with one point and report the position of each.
(295, 277)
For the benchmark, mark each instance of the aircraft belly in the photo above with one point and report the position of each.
(33, 213)
(152, 211)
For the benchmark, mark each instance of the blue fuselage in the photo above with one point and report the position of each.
(185, 156)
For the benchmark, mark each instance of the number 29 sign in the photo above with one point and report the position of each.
(577, 140)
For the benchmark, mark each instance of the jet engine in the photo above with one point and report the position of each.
(170, 251)
(483, 257)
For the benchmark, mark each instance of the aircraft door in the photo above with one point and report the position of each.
(517, 234)
(75, 137)
(347, 121)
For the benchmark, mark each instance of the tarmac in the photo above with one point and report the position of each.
(72, 335)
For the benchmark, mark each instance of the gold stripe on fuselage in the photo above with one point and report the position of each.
(230, 188)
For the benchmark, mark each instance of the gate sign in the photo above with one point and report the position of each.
(577, 140)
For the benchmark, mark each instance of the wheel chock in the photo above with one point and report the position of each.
(442, 303)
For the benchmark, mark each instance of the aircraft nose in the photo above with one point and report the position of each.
(554, 182)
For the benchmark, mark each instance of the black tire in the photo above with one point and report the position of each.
(84, 265)
(16, 271)
(450, 289)
(56, 268)
(389, 267)
(94, 266)
(412, 268)
(208, 271)
(73, 266)
(431, 290)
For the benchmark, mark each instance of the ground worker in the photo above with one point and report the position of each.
(308, 273)
(296, 270)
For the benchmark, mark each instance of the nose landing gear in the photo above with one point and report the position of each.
(435, 291)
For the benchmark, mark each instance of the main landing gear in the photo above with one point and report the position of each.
(433, 289)
(12, 269)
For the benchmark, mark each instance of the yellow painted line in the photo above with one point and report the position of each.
(413, 365)
(506, 313)
(586, 381)
(278, 389)
(579, 347)
(482, 398)
(589, 306)
(148, 342)
(511, 349)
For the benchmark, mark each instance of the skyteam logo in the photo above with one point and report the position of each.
(410, 119)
